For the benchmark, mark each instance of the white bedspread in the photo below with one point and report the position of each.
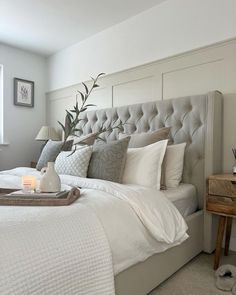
(51, 251)
(137, 222)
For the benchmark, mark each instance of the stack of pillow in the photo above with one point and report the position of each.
(152, 162)
(144, 159)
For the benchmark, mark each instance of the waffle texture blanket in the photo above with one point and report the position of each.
(54, 250)
(68, 250)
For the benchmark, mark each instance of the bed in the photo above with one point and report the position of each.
(196, 120)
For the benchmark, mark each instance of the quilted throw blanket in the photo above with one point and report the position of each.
(60, 250)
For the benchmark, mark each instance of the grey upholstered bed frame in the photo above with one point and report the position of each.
(196, 120)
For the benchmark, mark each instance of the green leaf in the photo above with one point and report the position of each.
(102, 139)
(69, 115)
(62, 126)
(86, 88)
(82, 95)
(75, 135)
(76, 108)
(90, 105)
(72, 152)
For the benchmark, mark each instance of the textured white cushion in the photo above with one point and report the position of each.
(75, 164)
(143, 165)
(173, 165)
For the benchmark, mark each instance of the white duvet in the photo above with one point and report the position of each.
(137, 221)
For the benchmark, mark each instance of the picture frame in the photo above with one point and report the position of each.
(23, 93)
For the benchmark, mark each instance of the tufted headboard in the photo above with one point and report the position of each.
(196, 120)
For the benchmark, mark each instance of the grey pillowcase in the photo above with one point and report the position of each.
(108, 160)
(142, 139)
(51, 151)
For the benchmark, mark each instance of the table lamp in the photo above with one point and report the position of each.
(46, 133)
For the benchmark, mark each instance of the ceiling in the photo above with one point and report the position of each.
(47, 26)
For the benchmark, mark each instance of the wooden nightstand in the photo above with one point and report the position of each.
(221, 200)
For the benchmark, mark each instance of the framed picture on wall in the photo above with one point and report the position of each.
(23, 93)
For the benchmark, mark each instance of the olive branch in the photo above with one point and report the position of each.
(72, 118)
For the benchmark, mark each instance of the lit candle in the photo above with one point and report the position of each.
(29, 183)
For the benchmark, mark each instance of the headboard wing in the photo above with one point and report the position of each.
(196, 120)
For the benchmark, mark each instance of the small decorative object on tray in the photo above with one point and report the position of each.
(50, 182)
(14, 197)
(29, 183)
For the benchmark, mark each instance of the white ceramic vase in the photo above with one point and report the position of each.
(50, 182)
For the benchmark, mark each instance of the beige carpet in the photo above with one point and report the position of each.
(196, 278)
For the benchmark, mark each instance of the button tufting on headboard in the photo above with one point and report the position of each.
(186, 116)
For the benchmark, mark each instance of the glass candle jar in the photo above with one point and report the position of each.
(29, 183)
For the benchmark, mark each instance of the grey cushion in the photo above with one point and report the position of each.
(108, 160)
(143, 139)
(49, 153)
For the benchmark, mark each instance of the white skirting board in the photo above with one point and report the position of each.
(232, 245)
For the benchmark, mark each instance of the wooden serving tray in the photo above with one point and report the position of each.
(65, 200)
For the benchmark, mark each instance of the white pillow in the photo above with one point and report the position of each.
(173, 165)
(75, 164)
(143, 165)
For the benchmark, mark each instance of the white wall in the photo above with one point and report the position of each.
(167, 29)
(195, 72)
(21, 124)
